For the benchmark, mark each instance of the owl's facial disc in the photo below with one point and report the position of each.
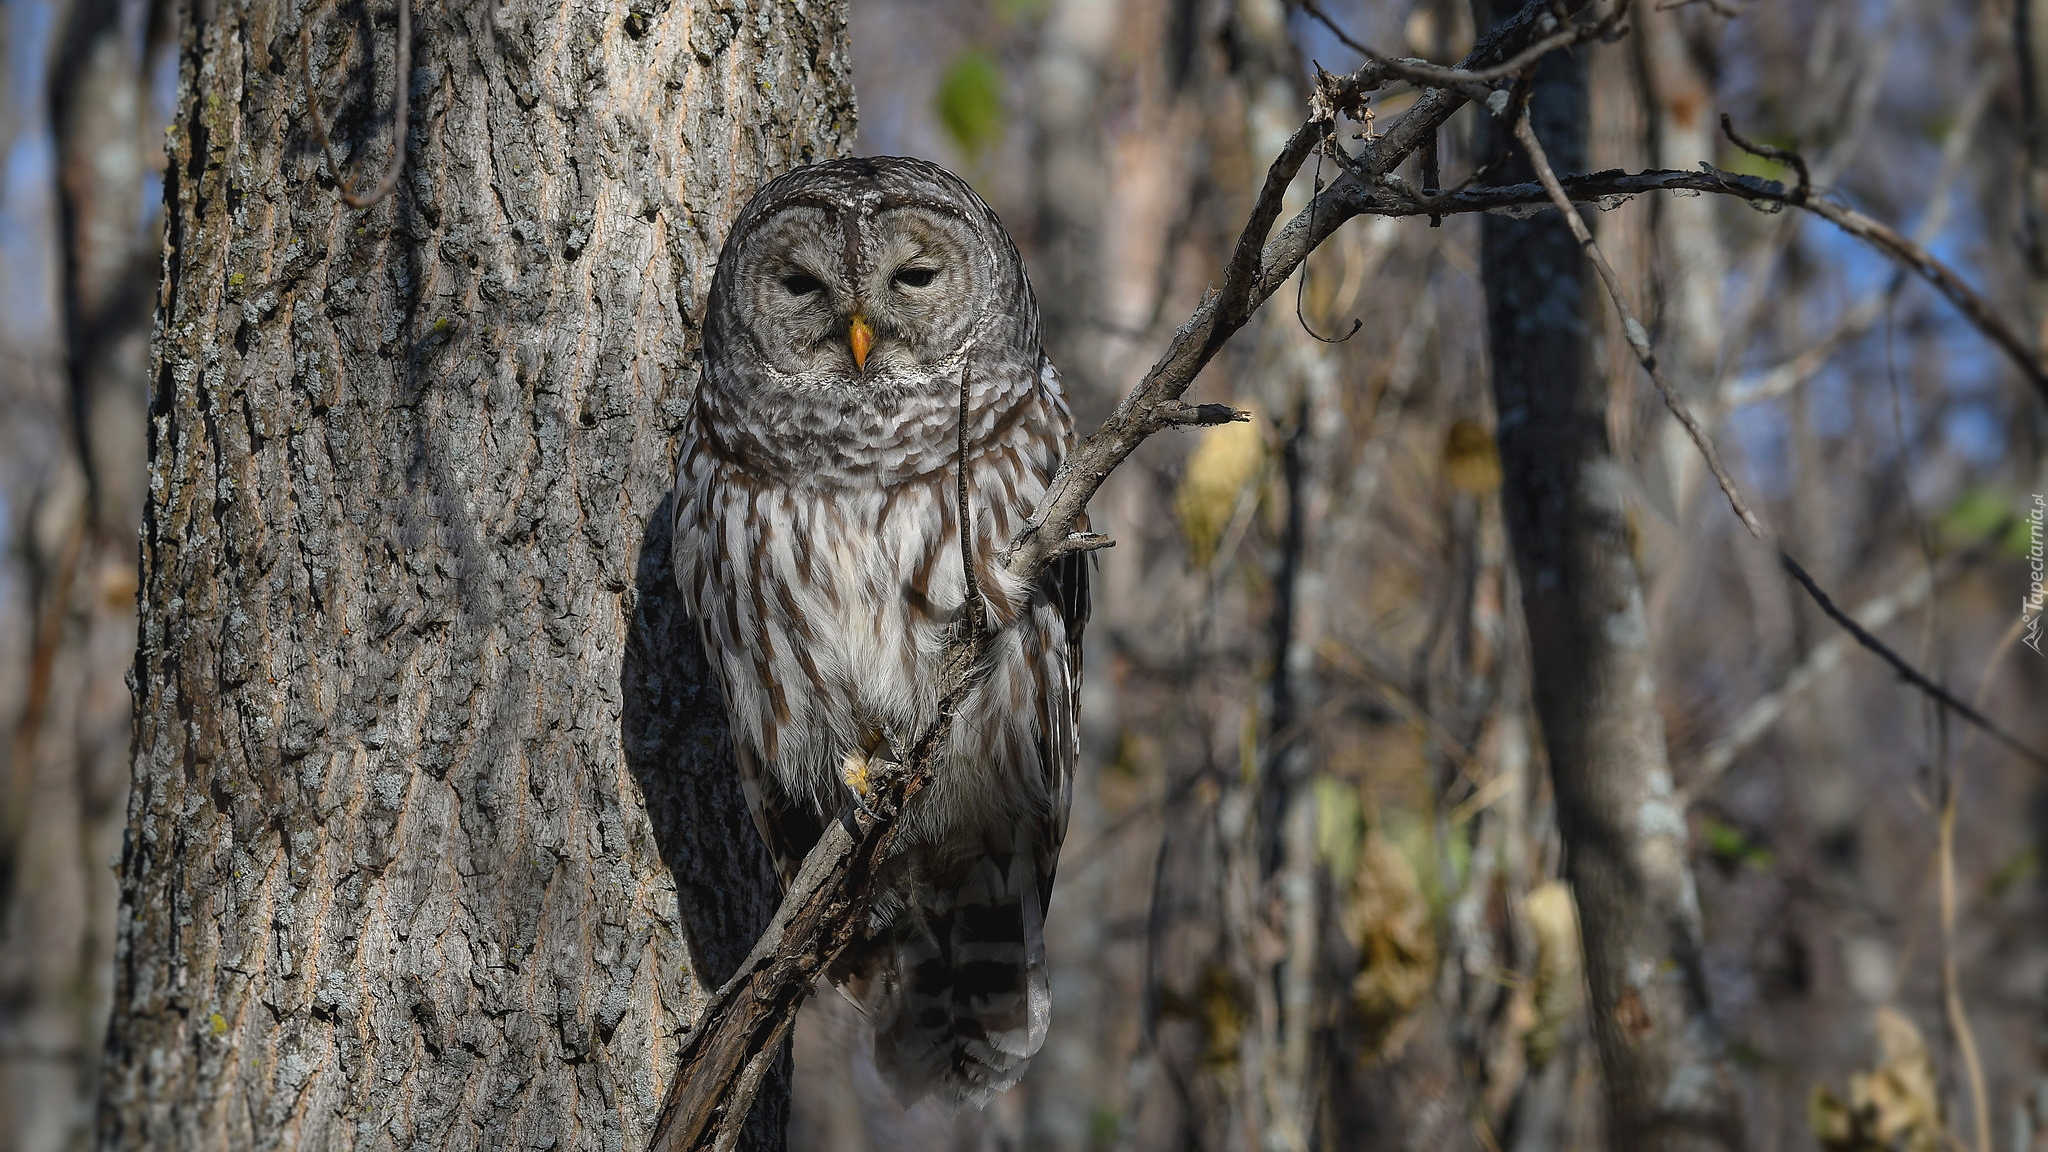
(877, 301)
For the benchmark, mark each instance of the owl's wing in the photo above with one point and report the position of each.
(1064, 586)
(788, 828)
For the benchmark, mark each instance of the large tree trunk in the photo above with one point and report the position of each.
(1564, 496)
(432, 836)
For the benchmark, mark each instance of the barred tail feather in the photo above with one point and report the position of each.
(956, 987)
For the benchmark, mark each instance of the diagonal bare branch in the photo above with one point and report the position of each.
(1906, 671)
(719, 1068)
(1639, 341)
(1352, 197)
(1632, 328)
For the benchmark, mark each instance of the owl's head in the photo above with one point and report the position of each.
(869, 276)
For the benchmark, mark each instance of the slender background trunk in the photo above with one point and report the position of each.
(75, 409)
(432, 836)
(1564, 497)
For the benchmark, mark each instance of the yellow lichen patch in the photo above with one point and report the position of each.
(1554, 922)
(1895, 1107)
(1224, 1008)
(1228, 458)
(1389, 919)
(1471, 462)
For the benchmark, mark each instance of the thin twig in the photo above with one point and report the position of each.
(1393, 199)
(1301, 281)
(1890, 241)
(1638, 339)
(1638, 336)
(1765, 711)
(1776, 381)
(1468, 80)
(1773, 152)
(1905, 670)
(1951, 984)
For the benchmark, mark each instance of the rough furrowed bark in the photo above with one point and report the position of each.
(1564, 500)
(433, 837)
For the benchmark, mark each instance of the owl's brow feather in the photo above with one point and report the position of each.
(850, 213)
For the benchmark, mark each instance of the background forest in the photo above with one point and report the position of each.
(1381, 956)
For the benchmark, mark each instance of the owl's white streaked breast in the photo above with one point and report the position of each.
(826, 608)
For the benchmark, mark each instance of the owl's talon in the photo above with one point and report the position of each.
(859, 781)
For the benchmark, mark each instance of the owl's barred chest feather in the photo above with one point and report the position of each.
(828, 607)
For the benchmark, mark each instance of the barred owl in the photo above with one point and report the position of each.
(817, 544)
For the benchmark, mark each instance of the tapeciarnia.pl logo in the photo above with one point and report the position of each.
(2037, 596)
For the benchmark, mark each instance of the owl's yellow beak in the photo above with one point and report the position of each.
(862, 338)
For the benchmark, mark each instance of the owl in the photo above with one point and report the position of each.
(818, 545)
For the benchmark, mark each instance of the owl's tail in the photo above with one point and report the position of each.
(956, 985)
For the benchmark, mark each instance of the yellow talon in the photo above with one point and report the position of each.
(854, 770)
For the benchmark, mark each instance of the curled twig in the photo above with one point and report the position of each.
(1301, 282)
(1773, 152)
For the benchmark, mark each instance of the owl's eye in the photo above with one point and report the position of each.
(915, 277)
(799, 284)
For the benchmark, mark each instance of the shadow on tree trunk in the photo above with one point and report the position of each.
(676, 746)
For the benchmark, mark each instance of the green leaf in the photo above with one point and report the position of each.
(2023, 866)
(1980, 512)
(970, 102)
(1340, 825)
(1746, 163)
(1731, 846)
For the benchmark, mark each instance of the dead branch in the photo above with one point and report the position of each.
(738, 1033)
(1393, 198)
(1889, 241)
(1769, 383)
(1557, 35)
(1639, 341)
(1876, 613)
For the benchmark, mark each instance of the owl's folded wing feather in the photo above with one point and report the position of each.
(789, 828)
(1065, 587)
